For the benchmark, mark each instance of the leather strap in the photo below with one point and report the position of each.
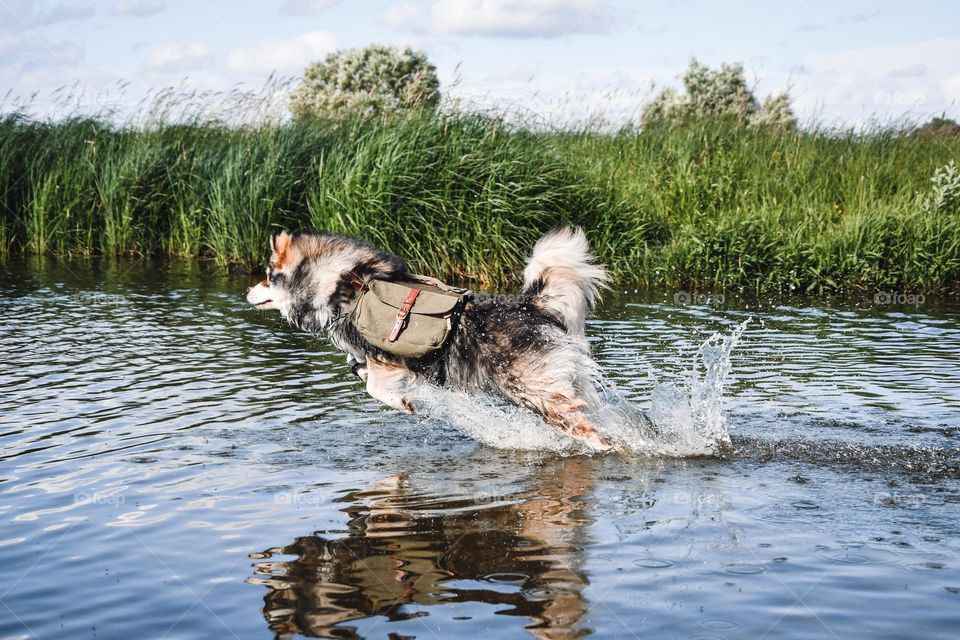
(359, 284)
(402, 314)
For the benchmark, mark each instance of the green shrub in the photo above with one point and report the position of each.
(372, 81)
(719, 92)
(946, 189)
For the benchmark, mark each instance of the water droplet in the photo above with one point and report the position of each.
(849, 558)
(744, 569)
(505, 578)
(540, 594)
(652, 563)
(719, 625)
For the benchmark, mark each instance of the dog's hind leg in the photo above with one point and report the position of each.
(562, 410)
(551, 387)
(569, 420)
(389, 383)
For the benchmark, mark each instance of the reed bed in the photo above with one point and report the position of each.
(708, 204)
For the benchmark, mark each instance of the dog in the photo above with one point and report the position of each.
(529, 349)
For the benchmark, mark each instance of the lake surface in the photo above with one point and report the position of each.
(177, 465)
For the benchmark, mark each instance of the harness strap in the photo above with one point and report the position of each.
(402, 314)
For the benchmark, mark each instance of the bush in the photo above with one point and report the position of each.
(946, 189)
(719, 92)
(372, 81)
(939, 127)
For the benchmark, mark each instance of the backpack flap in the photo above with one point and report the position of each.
(390, 316)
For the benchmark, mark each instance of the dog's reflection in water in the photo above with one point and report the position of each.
(405, 551)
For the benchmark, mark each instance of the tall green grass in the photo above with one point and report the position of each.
(714, 204)
(698, 204)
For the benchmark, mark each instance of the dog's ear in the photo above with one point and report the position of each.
(273, 243)
(282, 245)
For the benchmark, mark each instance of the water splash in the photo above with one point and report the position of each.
(685, 418)
(689, 417)
(492, 421)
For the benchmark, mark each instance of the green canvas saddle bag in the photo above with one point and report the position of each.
(408, 319)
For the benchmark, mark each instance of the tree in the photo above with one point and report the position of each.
(718, 92)
(372, 81)
(938, 127)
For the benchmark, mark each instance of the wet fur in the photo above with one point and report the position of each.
(531, 351)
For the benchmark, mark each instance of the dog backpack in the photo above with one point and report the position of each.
(409, 319)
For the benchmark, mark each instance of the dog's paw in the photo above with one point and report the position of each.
(597, 441)
(359, 370)
(592, 437)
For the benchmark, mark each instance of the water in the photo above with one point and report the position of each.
(177, 465)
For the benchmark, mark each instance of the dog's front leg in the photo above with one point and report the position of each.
(357, 368)
(389, 383)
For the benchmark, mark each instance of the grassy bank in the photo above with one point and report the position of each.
(720, 205)
(696, 205)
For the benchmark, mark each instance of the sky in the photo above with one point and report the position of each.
(844, 63)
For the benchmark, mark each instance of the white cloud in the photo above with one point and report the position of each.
(137, 8)
(68, 12)
(913, 70)
(887, 81)
(951, 89)
(287, 56)
(522, 73)
(305, 7)
(936, 54)
(17, 15)
(859, 18)
(520, 18)
(600, 97)
(178, 57)
(42, 73)
(405, 16)
(20, 52)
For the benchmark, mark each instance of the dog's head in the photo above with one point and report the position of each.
(275, 291)
(312, 275)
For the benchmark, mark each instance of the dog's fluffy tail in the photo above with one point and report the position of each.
(564, 278)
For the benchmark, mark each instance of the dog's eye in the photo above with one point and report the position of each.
(274, 276)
